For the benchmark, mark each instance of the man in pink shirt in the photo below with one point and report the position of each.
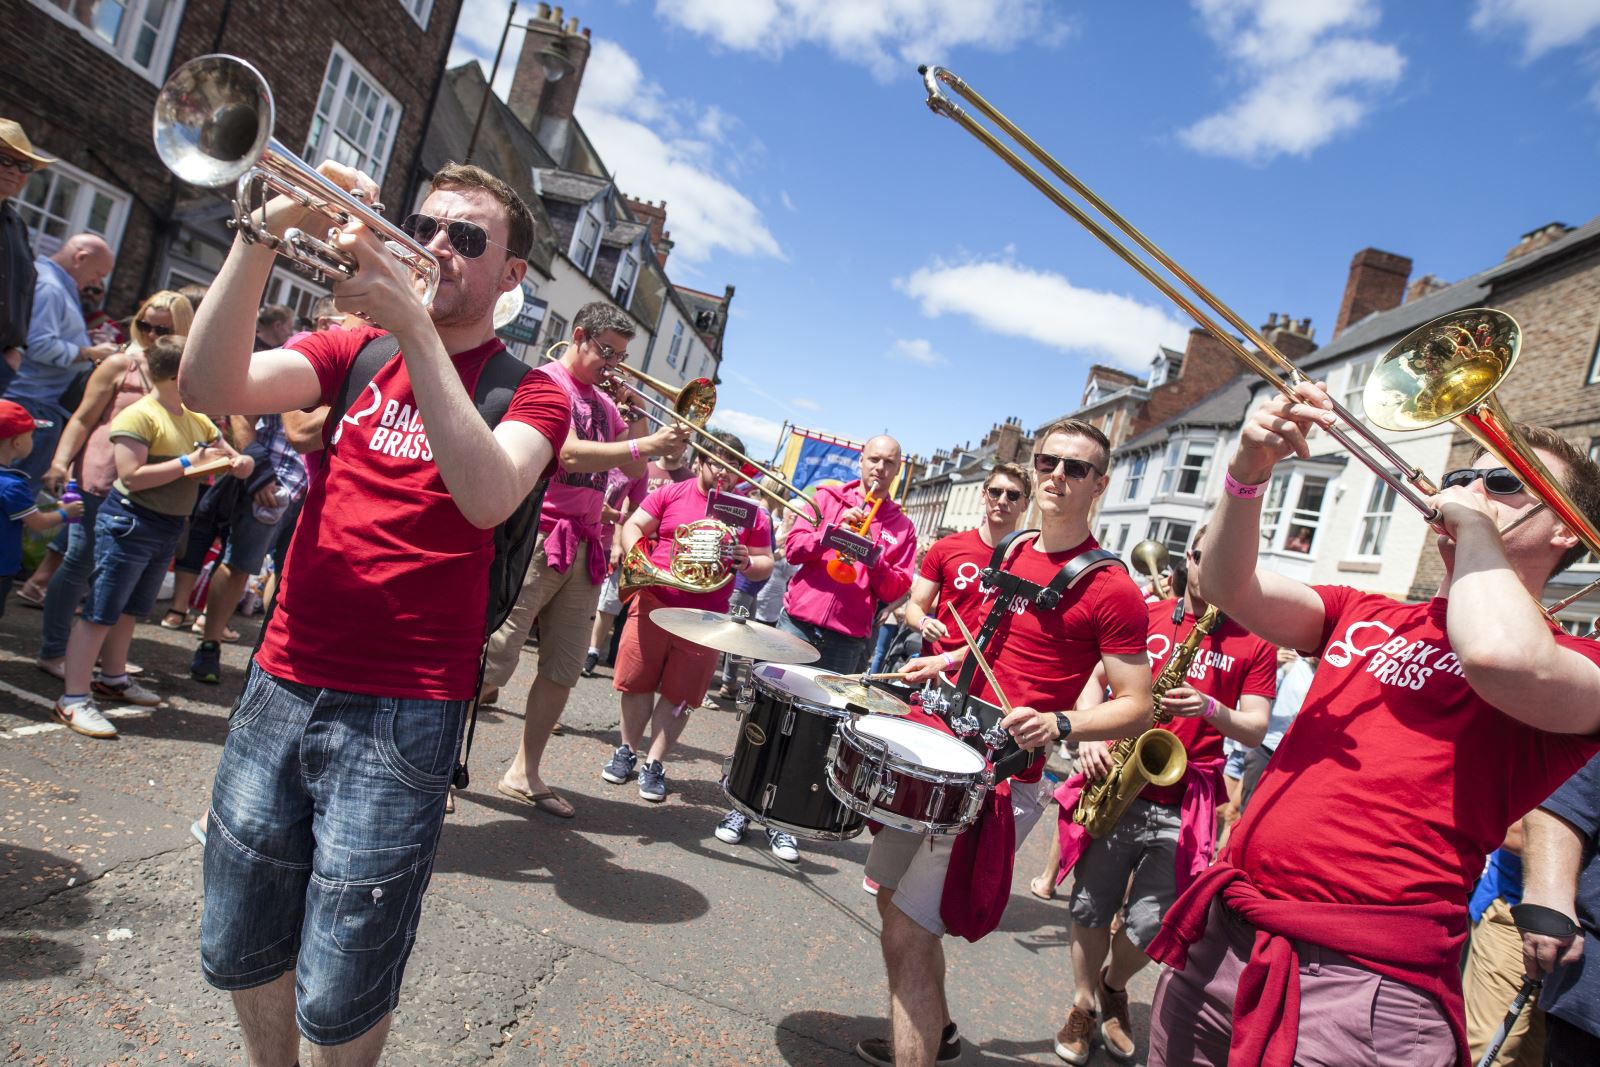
(652, 661)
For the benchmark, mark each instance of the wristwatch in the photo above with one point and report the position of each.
(1063, 725)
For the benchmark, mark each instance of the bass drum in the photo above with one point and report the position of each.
(778, 770)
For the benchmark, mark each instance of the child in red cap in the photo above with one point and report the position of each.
(16, 442)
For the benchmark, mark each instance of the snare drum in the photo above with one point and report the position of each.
(779, 765)
(906, 775)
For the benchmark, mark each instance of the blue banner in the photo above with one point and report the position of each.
(824, 461)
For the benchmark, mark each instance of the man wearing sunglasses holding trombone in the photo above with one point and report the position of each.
(334, 777)
(1330, 930)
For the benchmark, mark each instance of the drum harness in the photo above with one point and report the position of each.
(972, 719)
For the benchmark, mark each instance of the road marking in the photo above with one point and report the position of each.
(51, 727)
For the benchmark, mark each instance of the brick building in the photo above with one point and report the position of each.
(942, 495)
(354, 82)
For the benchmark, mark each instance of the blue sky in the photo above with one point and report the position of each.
(894, 276)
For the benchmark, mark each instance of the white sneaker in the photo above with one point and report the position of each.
(81, 716)
(783, 846)
(130, 692)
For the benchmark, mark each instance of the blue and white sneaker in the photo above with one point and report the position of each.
(653, 781)
(621, 766)
(783, 845)
(731, 829)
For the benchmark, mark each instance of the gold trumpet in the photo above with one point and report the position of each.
(1150, 558)
(1443, 371)
(213, 127)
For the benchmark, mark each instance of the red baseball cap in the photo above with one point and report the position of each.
(15, 420)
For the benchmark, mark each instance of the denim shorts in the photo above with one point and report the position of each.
(325, 815)
(248, 540)
(133, 546)
(1134, 865)
(841, 653)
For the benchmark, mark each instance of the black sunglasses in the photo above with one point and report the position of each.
(1011, 495)
(468, 238)
(21, 166)
(1194, 554)
(150, 327)
(1077, 469)
(1499, 480)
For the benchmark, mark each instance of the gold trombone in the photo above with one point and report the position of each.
(1443, 371)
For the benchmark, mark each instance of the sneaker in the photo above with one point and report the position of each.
(129, 692)
(207, 663)
(869, 886)
(653, 781)
(1116, 1031)
(783, 845)
(880, 1052)
(1076, 1036)
(589, 662)
(731, 828)
(83, 717)
(621, 766)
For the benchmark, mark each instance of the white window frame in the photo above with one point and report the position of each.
(1195, 450)
(419, 10)
(288, 288)
(1355, 384)
(160, 53)
(1278, 514)
(1169, 468)
(1136, 472)
(1594, 364)
(621, 292)
(325, 115)
(677, 343)
(555, 330)
(585, 260)
(1375, 520)
(77, 220)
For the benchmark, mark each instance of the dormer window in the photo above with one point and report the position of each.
(586, 239)
(627, 274)
(1158, 370)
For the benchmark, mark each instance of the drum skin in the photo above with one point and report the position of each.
(778, 769)
(897, 791)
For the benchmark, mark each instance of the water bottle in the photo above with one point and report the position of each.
(70, 494)
(269, 516)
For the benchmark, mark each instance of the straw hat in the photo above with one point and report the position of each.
(16, 141)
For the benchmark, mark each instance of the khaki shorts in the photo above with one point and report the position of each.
(563, 602)
(913, 866)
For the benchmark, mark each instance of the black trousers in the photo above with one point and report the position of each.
(1566, 1045)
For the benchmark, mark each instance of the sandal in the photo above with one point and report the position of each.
(1047, 893)
(27, 596)
(229, 634)
(182, 618)
(550, 802)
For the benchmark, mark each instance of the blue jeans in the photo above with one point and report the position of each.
(325, 816)
(887, 632)
(67, 585)
(841, 653)
(133, 547)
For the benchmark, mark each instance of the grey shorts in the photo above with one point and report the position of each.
(610, 600)
(913, 866)
(1141, 848)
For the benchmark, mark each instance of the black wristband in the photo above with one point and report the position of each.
(1538, 919)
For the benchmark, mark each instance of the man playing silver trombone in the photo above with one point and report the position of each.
(1329, 931)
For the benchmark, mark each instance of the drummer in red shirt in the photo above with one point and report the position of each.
(651, 661)
(1042, 659)
(1330, 930)
(1166, 837)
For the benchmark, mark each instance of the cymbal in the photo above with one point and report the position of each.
(734, 634)
(857, 695)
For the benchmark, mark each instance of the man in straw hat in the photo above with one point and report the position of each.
(17, 161)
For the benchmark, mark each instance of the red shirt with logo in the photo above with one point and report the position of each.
(386, 584)
(953, 564)
(1397, 779)
(1043, 659)
(676, 504)
(1230, 664)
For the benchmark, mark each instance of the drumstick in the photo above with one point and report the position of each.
(875, 677)
(972, 650)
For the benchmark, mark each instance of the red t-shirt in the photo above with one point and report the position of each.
(1043, 659)
(1231, 663)
(1397, 779)
(953, 564)
(387, 584)
(674, 505)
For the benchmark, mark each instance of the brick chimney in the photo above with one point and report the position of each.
(1377, 283)
(1423, 286)
(550, 67)
(1293, 339)
(1534, 240)
(656, 216)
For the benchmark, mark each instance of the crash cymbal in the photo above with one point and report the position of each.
(735, 634)
(865, 697)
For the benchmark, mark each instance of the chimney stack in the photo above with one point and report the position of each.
(549, 73)
(1377, 283)
(1424, 285)
(1293, 339)
(1534, 240)
(654, 215)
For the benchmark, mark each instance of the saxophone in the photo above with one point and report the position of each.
(1155, 757)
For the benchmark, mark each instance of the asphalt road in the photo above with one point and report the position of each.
(629, 934)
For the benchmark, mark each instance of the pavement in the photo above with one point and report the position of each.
(629, 934)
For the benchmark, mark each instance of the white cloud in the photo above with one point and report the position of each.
(784, 199)
(1546, 24)
(918, 350)
(805, 404)
(759, 434)
(1009, 299)
(889, 37)
(1311, 72)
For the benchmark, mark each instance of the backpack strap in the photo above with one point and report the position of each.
(370, 359)
(497, 384)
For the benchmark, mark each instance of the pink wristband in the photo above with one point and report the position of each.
(1211, 709)
(949, 661)
(633, 447)
(1239, 489)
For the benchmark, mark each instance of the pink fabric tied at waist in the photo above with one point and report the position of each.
(1197, 836)
(1415, 944)
(561, 547)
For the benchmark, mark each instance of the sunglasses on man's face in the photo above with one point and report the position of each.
(1077, 469)
(1194, 554)
(468, 238)
(152, 328)
(1499, 480)
(21, 166)
(1011, 495)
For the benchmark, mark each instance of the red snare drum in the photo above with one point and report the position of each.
(906, 775)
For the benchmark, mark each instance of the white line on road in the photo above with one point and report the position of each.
(51, 727)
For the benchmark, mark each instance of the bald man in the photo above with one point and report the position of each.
(834, 616)
(59, 346)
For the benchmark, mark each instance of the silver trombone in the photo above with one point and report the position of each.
(213, 127)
